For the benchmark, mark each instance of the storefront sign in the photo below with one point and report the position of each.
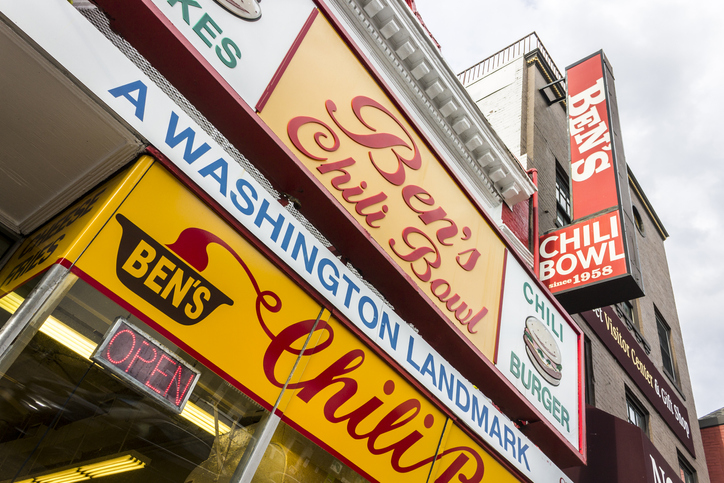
(397, 211)
(345, 397)
(145, 364)
(583, 253)
(619, 341)
(593, 165)
(538, 353)
(360, 147)
(594, 261)
(356, 142)
(145, 107)
(153, 272)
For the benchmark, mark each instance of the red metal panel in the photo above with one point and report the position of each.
(593, 166)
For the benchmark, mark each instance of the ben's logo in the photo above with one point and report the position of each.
(168, 277)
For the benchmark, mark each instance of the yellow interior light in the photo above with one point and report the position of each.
(202, 419)
(11, 302)
(121, 464)
(73, 340)
(113, 466)
(83, 346)
(54, 328)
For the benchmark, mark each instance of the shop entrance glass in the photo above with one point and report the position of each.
(64, 418)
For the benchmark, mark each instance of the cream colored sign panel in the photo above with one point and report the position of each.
(359, 145)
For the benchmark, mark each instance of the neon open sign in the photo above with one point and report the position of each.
(146, 365)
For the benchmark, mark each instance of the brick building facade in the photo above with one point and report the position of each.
(712, 434)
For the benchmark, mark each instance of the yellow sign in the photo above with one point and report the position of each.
(358, 144)
(197, 281)
(66, 235)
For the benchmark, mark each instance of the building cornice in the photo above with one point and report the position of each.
(407, 57)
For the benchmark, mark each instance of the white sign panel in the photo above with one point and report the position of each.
(107, 73)
(538, 352)
(245, 47)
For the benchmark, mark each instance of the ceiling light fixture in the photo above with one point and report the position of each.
(202, 419)
(54, 328)
(128, 462)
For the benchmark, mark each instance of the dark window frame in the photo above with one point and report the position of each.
(687, 473)
(638, 221)
(628, 311)
(640, 417)
(563, 197)
(590, 386)
(668, 360)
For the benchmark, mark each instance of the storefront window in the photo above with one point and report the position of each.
(60, 412)
(289, 458)
(66, 418)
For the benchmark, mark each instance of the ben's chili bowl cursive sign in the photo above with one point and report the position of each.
(378, 170)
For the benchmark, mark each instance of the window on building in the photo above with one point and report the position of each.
(686, 471)
(638, 221)
(590, 380)
(563, 197)
(667, 355)
(628, 313)
(636, 413)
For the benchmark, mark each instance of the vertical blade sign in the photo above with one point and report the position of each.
(593, 172)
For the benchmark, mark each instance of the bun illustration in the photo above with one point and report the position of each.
(246, 9)
(542, 350)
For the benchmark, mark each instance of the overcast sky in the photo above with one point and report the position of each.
(668, 73)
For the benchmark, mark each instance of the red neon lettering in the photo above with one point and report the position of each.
(179, 393)
(156, 369)
(108, 349)
(137, 355)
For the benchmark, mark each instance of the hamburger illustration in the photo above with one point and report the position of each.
(246, 9)
(542, 350)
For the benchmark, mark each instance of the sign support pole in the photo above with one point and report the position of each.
(25, 322)
(254, 452)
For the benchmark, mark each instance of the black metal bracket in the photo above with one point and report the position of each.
(550, 92)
